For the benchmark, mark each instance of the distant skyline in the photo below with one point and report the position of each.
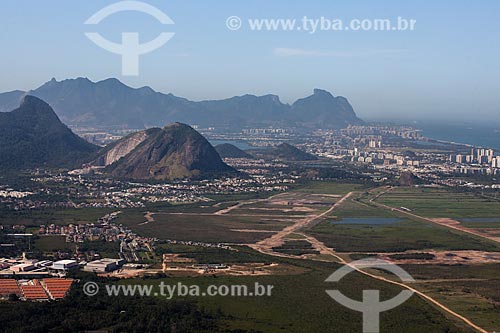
(447, 68)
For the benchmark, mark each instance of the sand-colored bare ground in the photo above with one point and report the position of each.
(447, 257)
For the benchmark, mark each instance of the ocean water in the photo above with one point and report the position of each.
(476, 135)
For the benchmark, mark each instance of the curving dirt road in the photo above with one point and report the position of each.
(403, 285)
(149, 218)
(265, 246)
(277, 239)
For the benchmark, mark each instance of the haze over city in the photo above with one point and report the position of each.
(446, 68)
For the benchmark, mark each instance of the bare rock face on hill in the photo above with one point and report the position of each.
(174, 152)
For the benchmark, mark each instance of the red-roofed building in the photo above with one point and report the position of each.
(9, 287)
(57, 288)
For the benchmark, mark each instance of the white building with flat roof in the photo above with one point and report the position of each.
(22, 267)
(64, 265)
(104, 265)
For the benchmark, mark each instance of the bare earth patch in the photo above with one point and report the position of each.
(446, 257)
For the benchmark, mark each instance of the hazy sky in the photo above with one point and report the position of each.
(447, 67)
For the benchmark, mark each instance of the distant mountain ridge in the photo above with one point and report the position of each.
(10, 100)
(110, 103)
(284, 152)
(227, 150)
(32, 136)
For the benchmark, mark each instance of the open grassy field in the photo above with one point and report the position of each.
(198, 207)
(432, 202)
(325, 187)
(105, 249)
(51, 216)
(240, 196)
(481, 225)
(296, 247)
(299, 302)
(52, 244)
(430, 272)
(285, 310)
(207, 228)
(296, 204)
(353, 208)
(472, 291)
(231, 221)
(213, 255)
(472, 212)
(269, 211)
(396, 237)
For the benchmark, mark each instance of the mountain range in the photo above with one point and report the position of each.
(111, 104)
(33, 136)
